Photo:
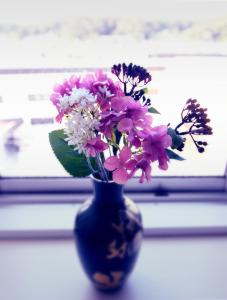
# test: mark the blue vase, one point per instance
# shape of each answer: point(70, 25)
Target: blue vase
point(108, 235)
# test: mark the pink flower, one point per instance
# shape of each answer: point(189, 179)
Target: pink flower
point(135, 121)
point(95, 146)
point(121, 103)
point(140, 162)
point(125, 125)
point(108, 121)
point(60, 90)
point(98, 84)
point(155, 146)
point(103, 87)
point(119, 165)
point(129, 117)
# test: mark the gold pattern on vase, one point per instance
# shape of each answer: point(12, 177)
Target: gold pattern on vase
point(131, 206)
point(117, 252)
point(128, 225)
point(134, 246)
point(132, 211)
point(111, 281)
point(132, 221)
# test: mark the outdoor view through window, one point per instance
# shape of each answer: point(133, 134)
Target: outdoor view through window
point(183, 44)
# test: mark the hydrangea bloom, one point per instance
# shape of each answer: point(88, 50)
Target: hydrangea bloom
point(128, 117)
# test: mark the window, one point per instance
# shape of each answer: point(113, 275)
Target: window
point(183, 46)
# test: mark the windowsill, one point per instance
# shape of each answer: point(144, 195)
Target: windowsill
point(55, 220)
point(167, 268)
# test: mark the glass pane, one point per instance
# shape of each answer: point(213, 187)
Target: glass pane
point(183, 44)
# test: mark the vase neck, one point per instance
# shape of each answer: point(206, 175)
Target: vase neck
point(107, 191)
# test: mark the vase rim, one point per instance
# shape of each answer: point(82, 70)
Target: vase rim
point(102, 181)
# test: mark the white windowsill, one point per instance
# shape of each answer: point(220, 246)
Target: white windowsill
point(55, 220)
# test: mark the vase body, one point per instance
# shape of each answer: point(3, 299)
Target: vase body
point(108, 234)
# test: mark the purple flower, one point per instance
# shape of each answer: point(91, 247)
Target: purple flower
point(119, 165)
point(135, 120)
point(145, 166)
point(128, 117)
point(133, 75)
point(125, 125)
point(155, 145)
point(95, 146)
point(120, 104)
point(108, 121)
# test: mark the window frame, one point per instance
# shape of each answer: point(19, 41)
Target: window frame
point(170, 206)
point(69, 189)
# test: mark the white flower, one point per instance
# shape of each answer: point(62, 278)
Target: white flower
point(105, 91)
point(80, 128)
point(81, 96)
point(64, 101)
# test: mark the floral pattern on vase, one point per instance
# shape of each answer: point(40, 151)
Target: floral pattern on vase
point(108, 234)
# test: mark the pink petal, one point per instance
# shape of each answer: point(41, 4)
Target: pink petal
point(167, 141)
point(101, 146)
point(148, 173)
point(125, 154)
point(158, 132)
point(136, 142)
point(111, 163)
point(142, 177)
point(97, 144)
point(54, 98)
point(125, 125)
point(59, 117)
point(163, 165)
point(100, 75)
point(131, 164)
point(58, 88)
point(74, 81)
point(120, 103)
point(91, 152)
point(120, 176)
point(162, 129)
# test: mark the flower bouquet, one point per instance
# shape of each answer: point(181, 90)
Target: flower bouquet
point(109, 128)
point(109, 133)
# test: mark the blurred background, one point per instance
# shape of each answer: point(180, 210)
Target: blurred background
point(182, 43)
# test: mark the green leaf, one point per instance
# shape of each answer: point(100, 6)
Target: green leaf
point(177, 140)
point(153, 110)
point(172, 155)
point(145, 90)
point(73, 162)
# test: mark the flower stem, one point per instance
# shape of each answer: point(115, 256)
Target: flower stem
point(90, 165)
point(103, 173)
